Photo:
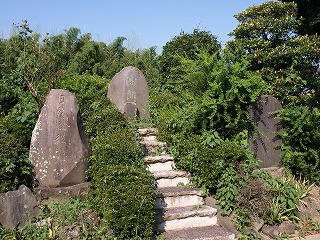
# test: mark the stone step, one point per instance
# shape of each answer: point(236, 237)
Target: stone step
point(171, 178)
point(143, 132)
point(168, 214)
point(161, 167)
point(173, 197)
point(159, 163)
point(191, 222)
point(200, 233)
point(150, 145)
point(158, 159)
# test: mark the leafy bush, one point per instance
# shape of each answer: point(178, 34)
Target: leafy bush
point(221, 107)
point(207, 165)
point(225, 104)
point(15, 135)
point(188, 46)
point(123, 195)
point(88, 90)
point(301, 147)
point(237, 167)
point(121, 184)
point(15, 167)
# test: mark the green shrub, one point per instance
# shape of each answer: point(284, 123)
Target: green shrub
point(198, 159)
point(88, 89)
point(15, 136)
point(207, 164)
point(121, 184)
point(237, 166)
point(15, 167)
point(123, 195)
point(301, 146)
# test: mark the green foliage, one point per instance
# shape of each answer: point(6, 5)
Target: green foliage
point(310, 13)
point(284, 202)
point(123, 195)
point(15, 167)
point(220, 109)
point(267, 38)
point(228, 190)
point(36, 66)
point(287, 197)
point(211, 167)
point(186, 46)
point(236, 168)
point(16, 124)
point(88, 59)
point(121, 184)
point(300, 150)
point(8, 98)
point(225, 104)
point(90, 91)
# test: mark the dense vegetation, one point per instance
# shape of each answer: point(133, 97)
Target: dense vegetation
point(200, 93)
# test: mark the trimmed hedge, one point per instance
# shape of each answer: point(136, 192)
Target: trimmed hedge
point(122, 194)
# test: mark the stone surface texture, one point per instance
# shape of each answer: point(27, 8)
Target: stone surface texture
point(59, 146)
point(16, 207)
point(62, 193)
point(264, 138)
point(128, 91)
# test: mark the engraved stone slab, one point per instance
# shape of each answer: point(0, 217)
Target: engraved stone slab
point(59, 145)
point(16, 207)
point(128, 90)
point(264, 139)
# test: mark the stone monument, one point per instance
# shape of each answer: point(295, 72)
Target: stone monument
point(264, 139)
point(59, 146)
point(128, 91)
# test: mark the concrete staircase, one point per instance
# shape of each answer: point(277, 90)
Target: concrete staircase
point(180, 212)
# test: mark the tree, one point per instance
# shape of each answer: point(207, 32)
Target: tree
point(267, 37)
point(309, 10)
point(88, 58)
point(186, 46)
point(38, 67)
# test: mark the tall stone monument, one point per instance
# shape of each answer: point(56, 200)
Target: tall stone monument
point(264, 138)
point(128, 90)
point(59, 146)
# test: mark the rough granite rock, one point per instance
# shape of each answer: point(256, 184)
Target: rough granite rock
point(59, 146)
point(16, 207)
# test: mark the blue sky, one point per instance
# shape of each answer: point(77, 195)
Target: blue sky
point(144, 23)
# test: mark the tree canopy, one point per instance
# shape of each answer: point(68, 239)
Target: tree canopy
point(267, 37)
point(309, 10)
